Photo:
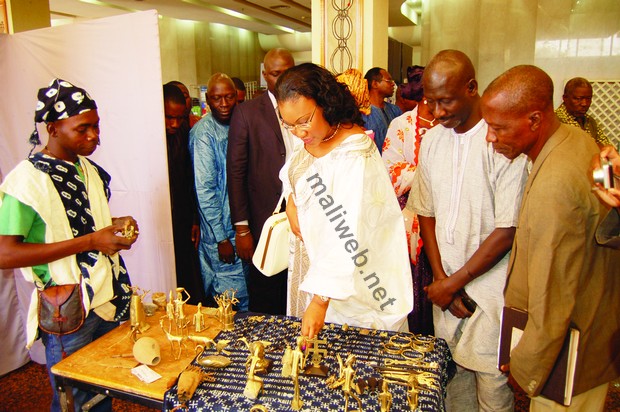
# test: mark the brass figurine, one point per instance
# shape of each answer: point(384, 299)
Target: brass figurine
point(225, 303)
point(137, 317)
point(212, 361)
point(179, 307)
point(315, 368)
point(346, 380)
point(254, 385)
point(172, 338)
point(293, 363)
point(385, 398)
point(199, 319)
point(412, 395)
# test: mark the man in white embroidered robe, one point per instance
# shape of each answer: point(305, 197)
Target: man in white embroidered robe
point(467, 199)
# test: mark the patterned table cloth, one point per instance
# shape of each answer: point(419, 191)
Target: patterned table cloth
point(226, 393)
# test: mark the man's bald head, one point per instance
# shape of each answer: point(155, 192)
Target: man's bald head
point(276, 62)
point(524, 88)
point(453, 63)
point(518, 109)
point(278, 53)
point(451, 90)
point(221, 97)
point(220, 78)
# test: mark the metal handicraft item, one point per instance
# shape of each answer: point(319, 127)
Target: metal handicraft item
point(129, 231)
point(315, 368)
point(225, 302)
point(385, 398)
point(189, 380)
point(255, 364)
point(346, 380)
point(137, 316)
point(293, 363)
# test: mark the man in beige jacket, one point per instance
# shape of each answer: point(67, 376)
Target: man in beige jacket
point(557, 272)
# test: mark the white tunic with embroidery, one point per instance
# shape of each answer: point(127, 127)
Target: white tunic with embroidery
point(470, 190)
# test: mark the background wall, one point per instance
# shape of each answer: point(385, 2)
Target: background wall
point(192, 52)
point(566, 38)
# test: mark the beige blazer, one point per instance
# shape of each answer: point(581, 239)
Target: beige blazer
point(559, 274)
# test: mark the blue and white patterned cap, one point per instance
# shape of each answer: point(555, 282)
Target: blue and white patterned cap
point(60, 100)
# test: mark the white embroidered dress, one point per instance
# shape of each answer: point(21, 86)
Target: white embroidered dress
point(354, 247)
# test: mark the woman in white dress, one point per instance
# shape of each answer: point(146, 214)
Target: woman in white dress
point(350, 261)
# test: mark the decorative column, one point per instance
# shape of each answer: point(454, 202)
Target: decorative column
point(349, 34)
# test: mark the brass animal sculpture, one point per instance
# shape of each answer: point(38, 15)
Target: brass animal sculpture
point(179, 339)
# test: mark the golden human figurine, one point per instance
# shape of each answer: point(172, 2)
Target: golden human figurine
point(179, 307)
point(385, 398)
point(255, 383)
point(412, 395)
point(170, 308)
point(199, 319)
point(297, 366)
point(346, 379)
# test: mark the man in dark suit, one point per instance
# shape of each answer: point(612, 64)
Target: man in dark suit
point(257, 151)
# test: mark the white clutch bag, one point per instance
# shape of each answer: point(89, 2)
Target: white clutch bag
point(272, 252)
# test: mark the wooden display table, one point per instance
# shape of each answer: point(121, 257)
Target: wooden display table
point(98, 367)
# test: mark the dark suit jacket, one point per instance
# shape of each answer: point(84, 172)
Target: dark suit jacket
point(256, 153)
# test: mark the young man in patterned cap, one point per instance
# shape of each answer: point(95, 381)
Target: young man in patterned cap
point(55, 224)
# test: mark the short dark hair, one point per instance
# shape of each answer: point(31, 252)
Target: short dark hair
point(239, 85)
point(373, 74)
point(314, 82)
point(414, 89)
point(174, 94)
point(575, 82)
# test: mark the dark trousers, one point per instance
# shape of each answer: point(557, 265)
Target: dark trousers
point(267, 294)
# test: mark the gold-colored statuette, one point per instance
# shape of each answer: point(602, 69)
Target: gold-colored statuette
point(129, 232)
point(293, 363)
point(316, 346)
point(225, 313)
point(346, 380)
point(385, 397)
point(256, 364)
point(137, 316)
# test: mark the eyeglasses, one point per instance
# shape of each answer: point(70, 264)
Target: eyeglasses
point(388, 81)
point(295, 127)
